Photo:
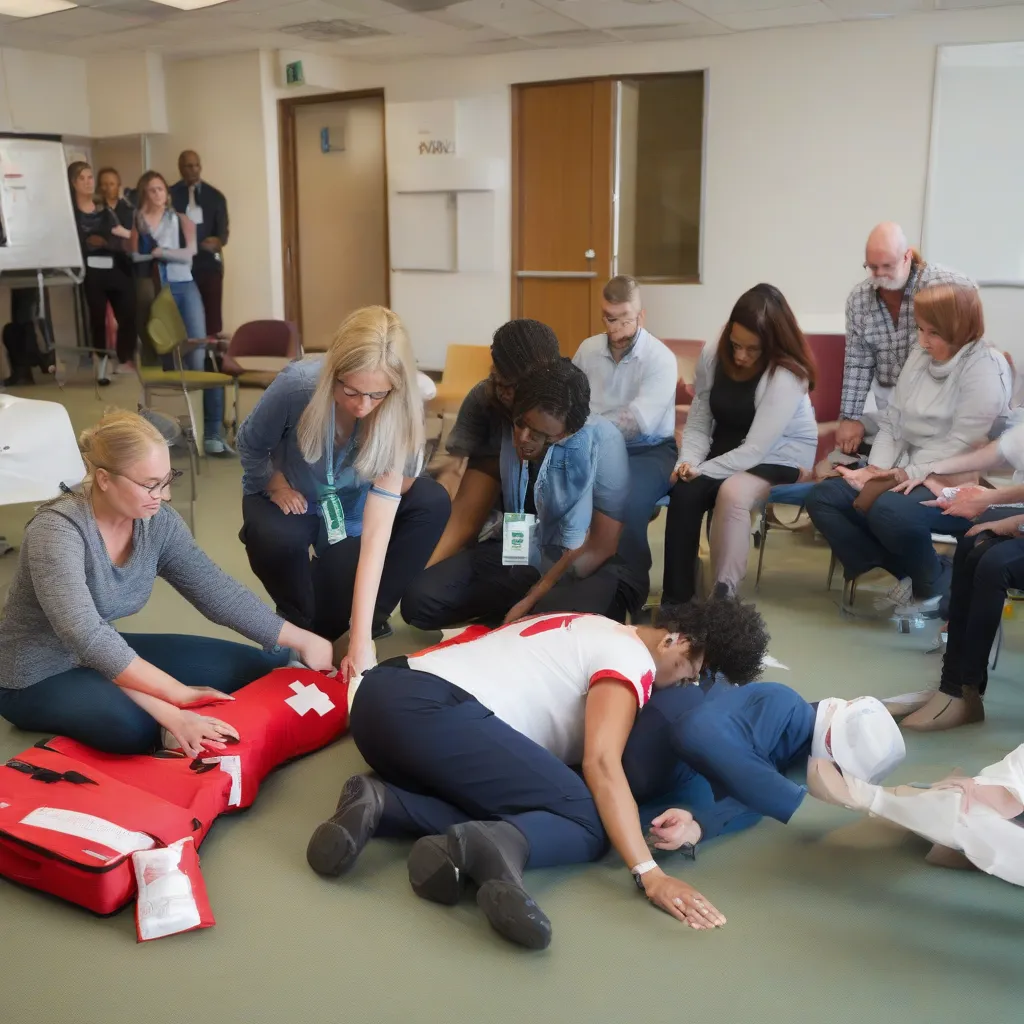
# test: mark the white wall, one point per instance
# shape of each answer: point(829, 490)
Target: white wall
point(126, 95)
point(218, 106)
point(814, 135)
point(43, 93)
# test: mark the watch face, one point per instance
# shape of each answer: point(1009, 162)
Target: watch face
point(639, 879)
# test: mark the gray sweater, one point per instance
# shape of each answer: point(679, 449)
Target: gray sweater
point(66, 592)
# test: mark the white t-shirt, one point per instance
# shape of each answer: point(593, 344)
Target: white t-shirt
point(644, 381)
point(535, 674)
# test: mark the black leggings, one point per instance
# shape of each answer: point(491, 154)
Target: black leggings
point(317, 594)
point(984, 568)
point(118, 288)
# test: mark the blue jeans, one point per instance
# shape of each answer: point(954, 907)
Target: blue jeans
point(190, 306)
point(88, 707)
point(649, 470)
point(895, 534)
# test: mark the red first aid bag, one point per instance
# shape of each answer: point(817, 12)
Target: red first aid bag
point(279, 717)
point(70, 829)
point(172, 894)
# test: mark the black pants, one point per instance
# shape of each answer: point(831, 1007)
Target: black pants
point(984, 568)
point(445, 759)
point(210, 282)
point(317, 594)
point(689, 501)
point(118, 288)
point(473, 586)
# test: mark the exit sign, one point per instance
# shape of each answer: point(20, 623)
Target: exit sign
point(293, 73)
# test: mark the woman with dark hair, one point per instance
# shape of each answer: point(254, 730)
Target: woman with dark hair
point(953, 391)
point(564, 484)
point(750, 427)
point(517, 349)
point(108, 272)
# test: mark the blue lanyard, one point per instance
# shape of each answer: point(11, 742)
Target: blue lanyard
point(331, 428)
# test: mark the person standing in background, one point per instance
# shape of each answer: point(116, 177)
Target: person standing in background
point(207, 208)
point(108, 181)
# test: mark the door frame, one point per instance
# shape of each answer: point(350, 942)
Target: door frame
point(290, 262)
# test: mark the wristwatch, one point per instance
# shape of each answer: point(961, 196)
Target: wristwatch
point(641, 869)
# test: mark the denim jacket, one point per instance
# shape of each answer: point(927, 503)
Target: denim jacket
point(587, 472)
point(268, 441)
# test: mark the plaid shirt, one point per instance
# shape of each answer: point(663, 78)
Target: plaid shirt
point(876, 349)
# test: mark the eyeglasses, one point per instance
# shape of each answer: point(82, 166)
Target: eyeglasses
point(884, 268)
point(374, 396)
point(613, 321)
point(535, 435)
point(152, 489)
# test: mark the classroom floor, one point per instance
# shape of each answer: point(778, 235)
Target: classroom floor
point(831, 918)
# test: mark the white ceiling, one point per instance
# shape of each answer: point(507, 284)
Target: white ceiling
point(377, 30)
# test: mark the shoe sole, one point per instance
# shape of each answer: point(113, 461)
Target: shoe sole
point(336, 844)
point(514, 914)
point(433, 874)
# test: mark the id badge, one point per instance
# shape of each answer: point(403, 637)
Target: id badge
point(516, 537)
point(334, 517)
point(195, 214)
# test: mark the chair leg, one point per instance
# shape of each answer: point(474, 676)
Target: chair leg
point(997, 647)
point(831, 570)
point(763, 533)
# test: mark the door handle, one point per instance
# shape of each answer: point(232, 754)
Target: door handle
point(556, 273)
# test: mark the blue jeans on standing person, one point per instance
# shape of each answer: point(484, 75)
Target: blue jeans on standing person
point(86, 706)
point(895, 534)
point(190, 306)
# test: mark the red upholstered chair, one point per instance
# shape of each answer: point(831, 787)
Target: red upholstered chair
point(259, 350)
point(687, 352)
point(829, 351)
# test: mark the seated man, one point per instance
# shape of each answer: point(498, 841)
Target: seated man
point(472, 742)
point(725, 751)
point(517, 349)
point(633, 384)
point(571, 476)
point(881, 329)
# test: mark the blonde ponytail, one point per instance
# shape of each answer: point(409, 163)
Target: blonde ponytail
point(117, 441)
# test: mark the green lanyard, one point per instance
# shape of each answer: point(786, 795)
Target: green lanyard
point(330, 504)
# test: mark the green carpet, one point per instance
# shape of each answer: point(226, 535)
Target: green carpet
point(831, 919)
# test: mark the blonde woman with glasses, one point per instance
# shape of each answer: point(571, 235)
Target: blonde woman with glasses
point(331, 457)
point(91, 557)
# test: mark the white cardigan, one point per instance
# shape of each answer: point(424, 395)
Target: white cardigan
point(784, 431)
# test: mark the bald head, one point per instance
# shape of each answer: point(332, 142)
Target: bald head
point(887, 256)
point(189, 167)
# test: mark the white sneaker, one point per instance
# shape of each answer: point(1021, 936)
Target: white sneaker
point(900, 593)
point(926, 609)
point(215, 446)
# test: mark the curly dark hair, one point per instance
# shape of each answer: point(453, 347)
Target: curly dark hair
point(520, 346)
point(731, 635)
point(560, 389)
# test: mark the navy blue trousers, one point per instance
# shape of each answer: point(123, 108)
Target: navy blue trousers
point(720, 753)
point(88, 707)
point(650, 467)
point(446, 759)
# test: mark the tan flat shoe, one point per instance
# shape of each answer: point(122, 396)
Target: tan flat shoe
point(943, 857)
point(944, 712)
point(907, 703)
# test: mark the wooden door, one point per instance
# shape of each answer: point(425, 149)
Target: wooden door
point(563, 155)
point(335, 213)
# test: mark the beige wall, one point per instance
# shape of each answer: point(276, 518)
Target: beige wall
point(216, 107)
point(44, 93)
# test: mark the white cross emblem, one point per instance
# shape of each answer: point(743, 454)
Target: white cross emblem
point(309, 698)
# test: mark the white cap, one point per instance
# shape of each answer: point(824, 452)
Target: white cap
point(860, 736)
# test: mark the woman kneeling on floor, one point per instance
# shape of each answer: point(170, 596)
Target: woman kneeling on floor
point(89, 558)
point(473, 742)
point(331, 456)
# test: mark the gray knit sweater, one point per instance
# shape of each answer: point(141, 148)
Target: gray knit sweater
point(66, 592)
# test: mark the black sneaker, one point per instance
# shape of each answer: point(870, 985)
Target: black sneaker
point(382, 630)
point(337, 842)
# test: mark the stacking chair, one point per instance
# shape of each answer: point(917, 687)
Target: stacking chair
point(168, 336)
point(259, 350)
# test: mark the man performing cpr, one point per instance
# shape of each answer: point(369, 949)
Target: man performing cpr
point(472, 742)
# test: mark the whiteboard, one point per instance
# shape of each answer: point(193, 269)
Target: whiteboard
point(39, 230)
point(423, 231)
point(974, 210)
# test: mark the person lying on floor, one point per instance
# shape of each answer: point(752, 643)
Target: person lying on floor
point(472, 743)
point(723, 752)
point(518, 348)
point(90, 558)
point(565, 489)
point(972, 822)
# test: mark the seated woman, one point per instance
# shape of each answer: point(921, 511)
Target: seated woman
point(473, 742)
point(330, 457)
point(750, 427)
point(89, 558)
point(989, 560)
point(517, 349)
point(951, 393)
point(571, 475)
point(972, 822)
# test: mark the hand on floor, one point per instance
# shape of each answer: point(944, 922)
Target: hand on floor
point(680, 900)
